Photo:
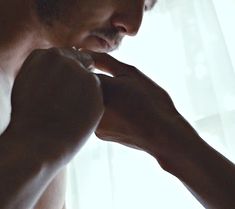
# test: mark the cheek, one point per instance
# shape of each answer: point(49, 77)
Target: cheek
point(85, 16)
point(92, 12)
point(81, 28)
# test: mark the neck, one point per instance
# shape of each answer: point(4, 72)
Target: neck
point(20, 35)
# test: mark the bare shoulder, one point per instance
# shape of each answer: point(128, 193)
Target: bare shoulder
point(54, 195)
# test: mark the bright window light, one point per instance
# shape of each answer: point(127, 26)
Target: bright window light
point(188, 48)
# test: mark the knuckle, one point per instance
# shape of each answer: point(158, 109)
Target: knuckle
point(130, 68)
point(34, 54)
point(44, 54)
point(93, 84)
point(53, 53)
point(94, 79)
point(55, 57)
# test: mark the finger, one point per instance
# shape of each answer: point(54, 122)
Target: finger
point(107, 63)
point(84, 59)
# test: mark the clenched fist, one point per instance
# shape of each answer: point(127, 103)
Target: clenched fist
point(56, 103)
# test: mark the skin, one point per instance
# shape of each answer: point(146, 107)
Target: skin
point(47, 127)
point(43, 133)
point(164, 134)
point(109, 19)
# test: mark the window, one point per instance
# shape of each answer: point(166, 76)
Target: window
point(188, 48)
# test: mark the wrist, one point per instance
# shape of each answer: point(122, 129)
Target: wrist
point(18, 147)
point(23, 171)
point(178, 163)
point(179, 148)
point(23, 147)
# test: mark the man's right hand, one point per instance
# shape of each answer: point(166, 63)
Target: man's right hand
point(56, 104)
point(140, 114)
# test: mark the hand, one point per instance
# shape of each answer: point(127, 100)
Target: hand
point(56, 103)
point(139, 113)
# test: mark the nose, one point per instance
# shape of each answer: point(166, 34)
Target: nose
point(128, 22)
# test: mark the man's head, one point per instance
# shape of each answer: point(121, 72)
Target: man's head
point(97, 25)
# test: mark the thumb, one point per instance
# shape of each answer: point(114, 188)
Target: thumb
point(108, 64)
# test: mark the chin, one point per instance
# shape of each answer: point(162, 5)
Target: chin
point(93, 45)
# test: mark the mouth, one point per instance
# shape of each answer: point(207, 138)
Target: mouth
point(106, 44)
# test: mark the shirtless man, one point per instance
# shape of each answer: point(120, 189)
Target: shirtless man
point(56, 102)
point(47, 125)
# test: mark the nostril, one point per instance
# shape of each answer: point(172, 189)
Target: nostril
point(121, 29)
point(120, 24)
point(128, 23)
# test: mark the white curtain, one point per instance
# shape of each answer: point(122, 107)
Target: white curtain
point(187, 47)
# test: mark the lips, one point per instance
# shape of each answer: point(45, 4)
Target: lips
point(103, 42)
point(106, 43)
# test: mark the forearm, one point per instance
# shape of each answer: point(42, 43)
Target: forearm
point(206, 173)
point(23, 175)
point(154, 125)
